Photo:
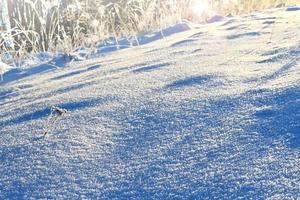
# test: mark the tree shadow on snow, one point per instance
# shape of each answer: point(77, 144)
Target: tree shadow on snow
point(166, 150)
point(157, 138)
point(150, 67)
point(190, 81)
point(71, 106)
point(280, 114)
point(17, 74)
point(76, 72)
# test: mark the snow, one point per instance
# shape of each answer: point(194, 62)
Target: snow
point(3, 69)
point(111, 45)
point(208, 113)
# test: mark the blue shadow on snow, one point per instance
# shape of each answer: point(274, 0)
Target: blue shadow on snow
point(17, 74)
point(191, 81)
point(46, 111)
point(281, 115)
point(75, 72)
point(150, 67)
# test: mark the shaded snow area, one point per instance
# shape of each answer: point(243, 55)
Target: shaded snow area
point(208, 113)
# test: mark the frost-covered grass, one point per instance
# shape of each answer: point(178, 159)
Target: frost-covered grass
point(207, 113)
point(63, 26)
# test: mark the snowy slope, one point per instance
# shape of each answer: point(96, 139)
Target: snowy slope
point(209, 113)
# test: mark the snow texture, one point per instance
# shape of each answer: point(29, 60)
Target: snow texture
point(209, 113)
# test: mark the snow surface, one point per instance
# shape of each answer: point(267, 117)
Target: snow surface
point(3, 69)
point(209, 113)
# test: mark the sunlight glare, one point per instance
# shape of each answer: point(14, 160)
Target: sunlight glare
point(200, 6)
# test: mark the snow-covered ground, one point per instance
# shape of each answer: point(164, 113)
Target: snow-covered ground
point(208, 113)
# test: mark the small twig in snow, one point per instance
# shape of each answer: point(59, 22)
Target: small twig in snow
point(55, 114)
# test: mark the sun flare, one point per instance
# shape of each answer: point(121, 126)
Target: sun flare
point(200, 6)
